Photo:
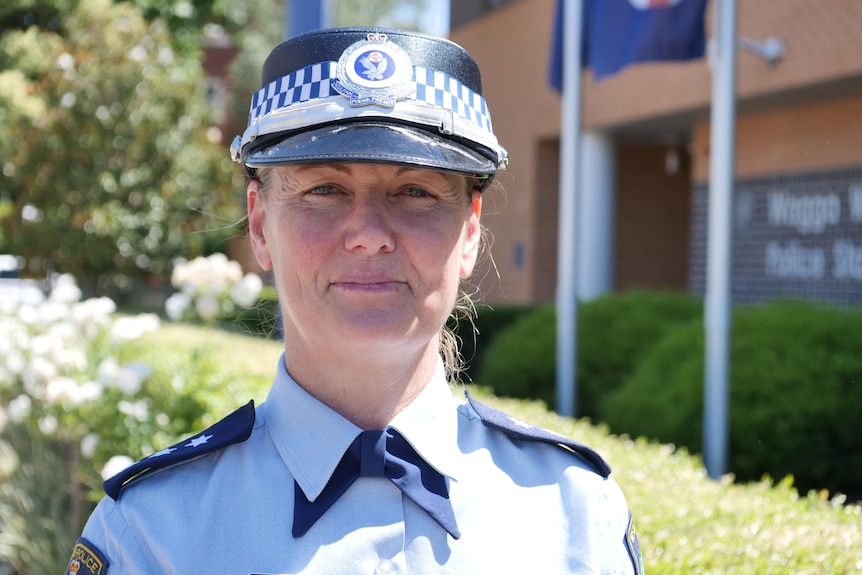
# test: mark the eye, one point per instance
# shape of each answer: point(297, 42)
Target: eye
point(415, 192)
point(325, 190)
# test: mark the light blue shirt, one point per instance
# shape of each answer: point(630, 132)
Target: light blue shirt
point(521, 506)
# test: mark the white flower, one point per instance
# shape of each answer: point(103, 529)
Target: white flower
point(9, 460)
point(65, 290)
point(210, 286)
point(60, 390)
point(207, 307)
point(86, 392)
point(178, 274)
point(115, 465)
point(232, 271)
point(140, 409)
point(37, 374)
point(245, 292)
point(132, 328)
point(93, 311)
point(89, 443)
point(177, 305)
point(131, 377)
point(48, 425)
point(19, 408)
point(53, 311)
point(108, 370)
point(28, 315)
point(15, 361)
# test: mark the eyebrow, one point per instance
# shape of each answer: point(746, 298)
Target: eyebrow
point(345, 169)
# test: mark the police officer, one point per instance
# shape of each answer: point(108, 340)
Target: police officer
point(368, 151)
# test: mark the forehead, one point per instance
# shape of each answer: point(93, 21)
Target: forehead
point(286, 173)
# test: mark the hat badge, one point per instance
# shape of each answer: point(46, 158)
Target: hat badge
point(374, 71)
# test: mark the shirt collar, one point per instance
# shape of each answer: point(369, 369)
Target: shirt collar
point(311, 438)
point(430, 424)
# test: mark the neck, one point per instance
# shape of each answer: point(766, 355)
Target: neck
point(368, 389)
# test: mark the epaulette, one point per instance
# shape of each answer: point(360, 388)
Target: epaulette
point(235, 428)
point(519, 429)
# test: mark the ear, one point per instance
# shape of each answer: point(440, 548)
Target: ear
point(470, 249)
point(256, 220)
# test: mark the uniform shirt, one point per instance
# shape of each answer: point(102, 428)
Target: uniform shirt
point(521, 506)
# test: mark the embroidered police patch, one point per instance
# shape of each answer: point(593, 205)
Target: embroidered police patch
point(87, 560)
point(634, 548)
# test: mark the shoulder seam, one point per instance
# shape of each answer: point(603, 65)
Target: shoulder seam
point(521, 430)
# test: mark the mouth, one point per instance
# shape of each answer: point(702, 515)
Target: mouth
point(369, 285)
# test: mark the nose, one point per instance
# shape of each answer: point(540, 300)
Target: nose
point(369, 226)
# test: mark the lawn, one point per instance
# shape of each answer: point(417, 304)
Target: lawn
point(687, 523)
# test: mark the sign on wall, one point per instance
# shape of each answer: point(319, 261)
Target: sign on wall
point(794, 236)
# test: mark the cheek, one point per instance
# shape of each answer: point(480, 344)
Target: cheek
point(299, 244)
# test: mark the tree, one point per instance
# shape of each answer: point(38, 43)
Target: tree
point(105, 155)
point(265, 29)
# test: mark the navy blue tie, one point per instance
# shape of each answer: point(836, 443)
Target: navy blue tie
point(380, 454)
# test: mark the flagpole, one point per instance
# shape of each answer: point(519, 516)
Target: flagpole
point(306, 15)
point(567, 228)
point(718, 286)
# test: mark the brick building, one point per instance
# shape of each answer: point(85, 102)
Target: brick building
point(797, 226)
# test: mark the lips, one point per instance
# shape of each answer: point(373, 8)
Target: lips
point(368, 283)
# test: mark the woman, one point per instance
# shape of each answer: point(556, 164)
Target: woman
point(368, 151)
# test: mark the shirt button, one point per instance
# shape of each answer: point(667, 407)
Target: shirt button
point(385, 567)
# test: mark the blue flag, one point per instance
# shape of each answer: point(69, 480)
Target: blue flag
point(617, 33)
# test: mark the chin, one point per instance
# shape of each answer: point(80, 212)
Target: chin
point(378, 330)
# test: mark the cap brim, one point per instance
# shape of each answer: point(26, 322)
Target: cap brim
point(373, 142)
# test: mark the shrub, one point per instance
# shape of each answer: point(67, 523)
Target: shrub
point(78, 400)
point(520, 360)
point(210, 287)
point(475, 336)
point(795, 394)
point(614, 333)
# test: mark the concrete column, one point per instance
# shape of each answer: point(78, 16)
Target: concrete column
point(595, 274)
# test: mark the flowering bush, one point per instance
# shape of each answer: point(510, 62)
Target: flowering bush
point(210, 287)
point(75, 400)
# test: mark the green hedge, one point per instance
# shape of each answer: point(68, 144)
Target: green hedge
point(614, 332)
point(519, 361)
point(796, 379)
point(795, 394)
point(475, 336)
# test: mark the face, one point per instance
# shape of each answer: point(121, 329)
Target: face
point(364, 256)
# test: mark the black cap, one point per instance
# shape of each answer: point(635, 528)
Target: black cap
point(371, 95)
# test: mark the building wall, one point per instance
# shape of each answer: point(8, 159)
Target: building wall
point(512, 48)
point(799, 117)
point(814, 135)
point(653, 207)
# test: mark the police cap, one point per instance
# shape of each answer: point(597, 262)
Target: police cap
point(371, 95)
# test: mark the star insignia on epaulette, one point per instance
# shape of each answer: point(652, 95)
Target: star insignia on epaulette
point(166, 451)
point(199, 440)
point(233, 429)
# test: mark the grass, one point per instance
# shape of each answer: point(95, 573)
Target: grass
point(687, 523)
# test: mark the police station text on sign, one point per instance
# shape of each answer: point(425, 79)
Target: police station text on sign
point(811, 215)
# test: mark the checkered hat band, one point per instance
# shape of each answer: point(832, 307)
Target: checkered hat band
point(313, 82)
